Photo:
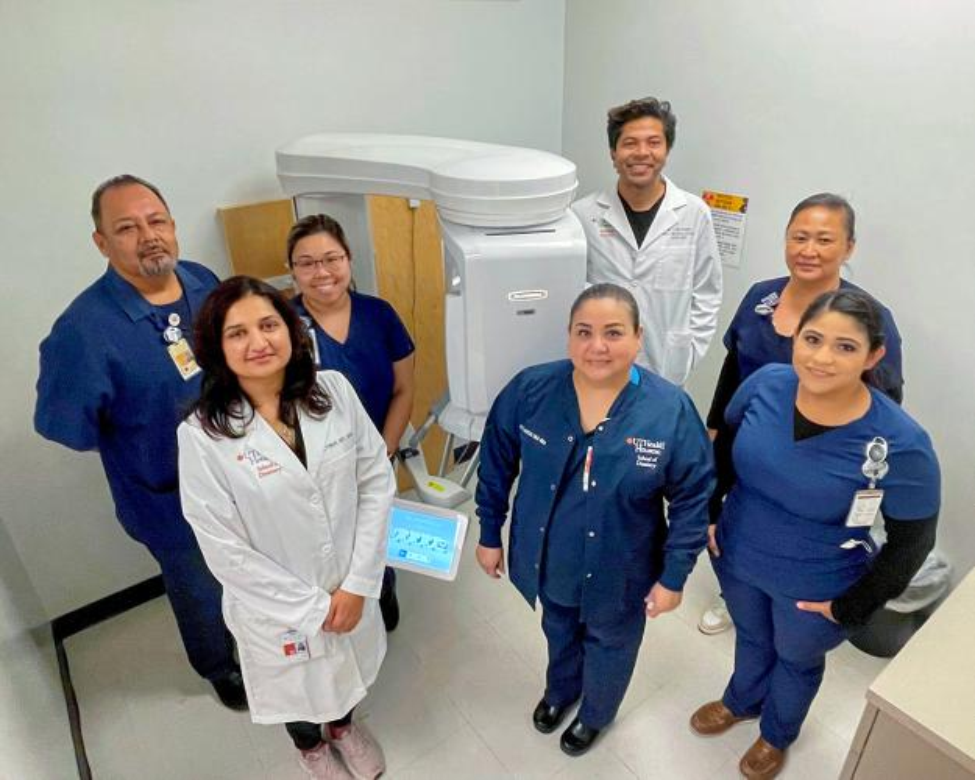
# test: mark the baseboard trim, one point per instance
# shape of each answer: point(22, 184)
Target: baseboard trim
point(108, 607)
point(78, 620)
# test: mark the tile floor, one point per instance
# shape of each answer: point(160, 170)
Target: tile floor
point(454, 698)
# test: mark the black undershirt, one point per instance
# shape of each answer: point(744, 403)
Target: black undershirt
point(908, 544)
point(804, 428)
point(299, 448)
point(640, 221)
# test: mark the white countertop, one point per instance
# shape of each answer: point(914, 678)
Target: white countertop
point(930, 686)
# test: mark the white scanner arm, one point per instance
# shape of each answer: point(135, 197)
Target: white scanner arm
point(515, 254)
point(471, 183)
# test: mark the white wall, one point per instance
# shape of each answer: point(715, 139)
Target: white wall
point(196, 97)
point(34, 727)
point(778, 100)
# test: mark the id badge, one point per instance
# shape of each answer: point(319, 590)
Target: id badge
point(294, 646)
point(864, 509)
point(182, 356)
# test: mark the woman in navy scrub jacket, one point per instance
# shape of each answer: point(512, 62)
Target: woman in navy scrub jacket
point(358, 335)
point(599, 444)
point(818, 453)
point(819, 239)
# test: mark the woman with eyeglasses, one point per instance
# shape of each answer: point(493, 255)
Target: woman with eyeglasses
point(358, 335)
point(819, 454)
point(285, 482)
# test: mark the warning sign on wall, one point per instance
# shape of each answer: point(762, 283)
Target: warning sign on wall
point(728, 213)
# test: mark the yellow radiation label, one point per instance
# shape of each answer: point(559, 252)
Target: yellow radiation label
point(725, 201)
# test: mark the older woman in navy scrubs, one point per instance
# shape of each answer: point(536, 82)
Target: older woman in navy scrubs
point(819, 239)
point(357, 335)
point(597, 445)
point(819, 454)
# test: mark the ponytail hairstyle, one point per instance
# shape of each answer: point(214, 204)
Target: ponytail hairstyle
point(608, 290)
point(858, 306)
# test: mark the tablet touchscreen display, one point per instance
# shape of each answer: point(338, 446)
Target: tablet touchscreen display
point(424, 539)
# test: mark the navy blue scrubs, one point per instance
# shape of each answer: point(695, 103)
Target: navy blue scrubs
point(783, 537)
point(752, 342)
point(592, 555)
point(376, 340)
point(107, 383)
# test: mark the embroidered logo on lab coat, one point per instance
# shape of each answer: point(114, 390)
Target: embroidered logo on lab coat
point(647, 451)
point(260, 462)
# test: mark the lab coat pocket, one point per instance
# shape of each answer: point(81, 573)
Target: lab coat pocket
point(260, 638)
point(677, 358)
point(673, 270)
point(336, 479)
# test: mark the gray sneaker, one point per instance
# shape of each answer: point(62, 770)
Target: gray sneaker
point(322, 764)
point(361, 753)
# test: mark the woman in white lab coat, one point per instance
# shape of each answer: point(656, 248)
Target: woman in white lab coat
point(286, 485)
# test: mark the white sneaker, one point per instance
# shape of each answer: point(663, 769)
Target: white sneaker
point(360, 752)
point(322, 764)
point(715, 618)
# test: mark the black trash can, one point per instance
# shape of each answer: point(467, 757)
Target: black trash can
point(890, 627)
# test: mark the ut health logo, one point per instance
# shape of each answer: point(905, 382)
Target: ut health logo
point(647, 451)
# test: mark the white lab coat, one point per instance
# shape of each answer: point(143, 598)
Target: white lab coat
point(675, 275)
point(280, 538)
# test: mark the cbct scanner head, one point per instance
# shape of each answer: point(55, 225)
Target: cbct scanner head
point(514, 255)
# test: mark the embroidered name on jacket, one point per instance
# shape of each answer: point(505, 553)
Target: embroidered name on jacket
point(340, 440)
point(260, 462)
point(647, 451)
point(532, 435)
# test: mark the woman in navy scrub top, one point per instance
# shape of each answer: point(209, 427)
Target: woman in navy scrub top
point(818, 454)
point(358, 335)
point(819, 239)
point(597, 445)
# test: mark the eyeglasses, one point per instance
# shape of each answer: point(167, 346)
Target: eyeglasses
point(304, 265)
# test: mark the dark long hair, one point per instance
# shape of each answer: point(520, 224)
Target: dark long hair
point(219, 408)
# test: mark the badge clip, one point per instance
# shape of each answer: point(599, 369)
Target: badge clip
point(875, 467)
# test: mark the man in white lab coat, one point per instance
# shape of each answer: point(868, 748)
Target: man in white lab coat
point(657, 240)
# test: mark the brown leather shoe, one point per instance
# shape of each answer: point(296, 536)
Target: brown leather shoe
point(762, 761)
point(714, 718)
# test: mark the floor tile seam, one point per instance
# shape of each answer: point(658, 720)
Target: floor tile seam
point(424, 658)
point(436, 747)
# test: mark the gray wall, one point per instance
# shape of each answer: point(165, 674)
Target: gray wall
point(777, 100)
point(196, 97)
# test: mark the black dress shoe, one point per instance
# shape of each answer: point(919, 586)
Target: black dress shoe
point(388, 603)
point(548, 718)
point(578, 738)
point(230, 691)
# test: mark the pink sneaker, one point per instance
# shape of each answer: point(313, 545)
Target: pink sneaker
point(322, 764)
point(360, 752)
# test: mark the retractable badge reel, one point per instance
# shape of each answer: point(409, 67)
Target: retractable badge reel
point(875, 467)
point(866, 503)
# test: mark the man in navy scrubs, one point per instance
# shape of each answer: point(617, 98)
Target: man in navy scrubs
point(117, 373)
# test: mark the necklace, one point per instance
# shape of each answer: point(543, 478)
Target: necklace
point(286, 432)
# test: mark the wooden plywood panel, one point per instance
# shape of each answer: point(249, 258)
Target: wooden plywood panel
point(409, 274)
point(256, 236)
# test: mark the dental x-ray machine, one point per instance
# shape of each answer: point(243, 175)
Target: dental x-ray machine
point(514, 254)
